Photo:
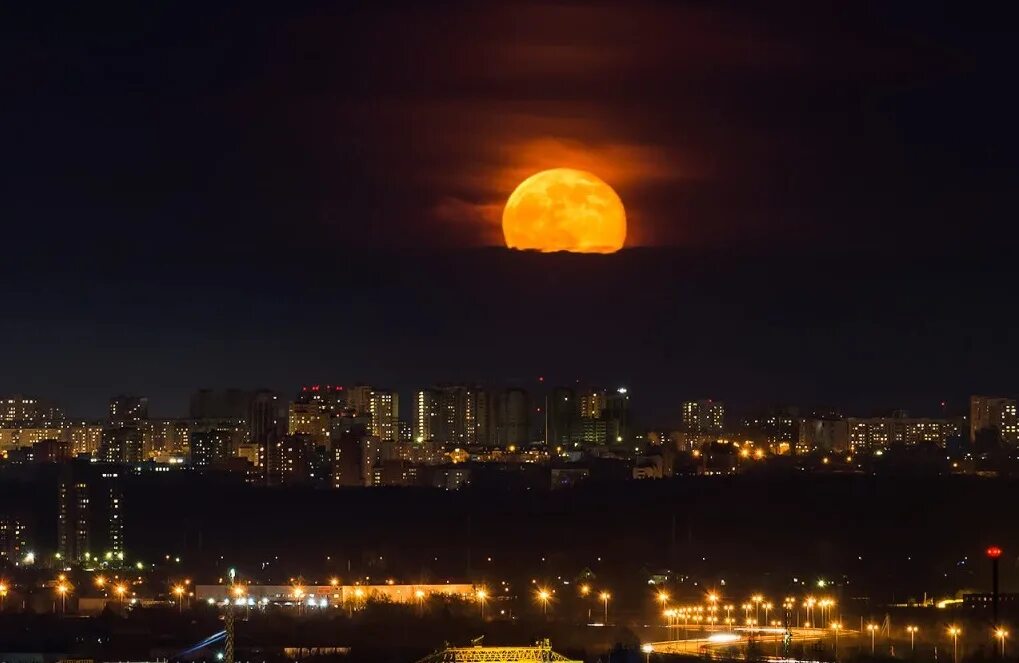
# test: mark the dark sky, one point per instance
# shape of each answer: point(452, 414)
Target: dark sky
point(821, 199)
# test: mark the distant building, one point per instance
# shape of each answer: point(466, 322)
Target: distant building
point(264, 416)
point(822, 435)
point(13, 539)
point(512, 418)
point(454, 414)
point(987, 413)
point(562, 414)
point(309, 420)
point(359, 398)
point(384, 408)
point(121, 445)
point(28, 411)
point(704, 417)
point(290, 460)
point(900, 429)
point(211, 447)
point(128, 410)
point(617, 416)
point(427, 413)
point(166, 437)
point(90, 506)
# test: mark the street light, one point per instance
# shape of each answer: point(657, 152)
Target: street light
point(912, 630)
point(647, 649)
point(873, 628)
point(62, 589)
point(836, 627)
point(767, 608)
point(544, 596)
point(585, 590)
point(3, 594)
point(605, 596)
point(1001, 634)
point(663, 598)
point(482, 595)
point(178, 591)
point(955, 632)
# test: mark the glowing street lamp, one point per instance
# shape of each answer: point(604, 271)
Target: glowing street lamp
point(663, 598)
point(482, 596)
point(100, 582)
point(178, 591)
point(544, 595)
point(3, 594)
point(767, 608)
point(62, 589)
point(912, 630)
point(121, 591)
point(1001, 634)
point(585, 590)
point(647, 649)
point(835, 628)
point(955, 632)
point(873, 628)
point(605, 596)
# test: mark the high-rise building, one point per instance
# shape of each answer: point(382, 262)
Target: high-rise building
point(384, 408)
point(264, 416)
point(166, 437)
point(822, 435)
point(85, 437)
point(988, 414)
point(291, 460)
point(28, 411)
point(617, 416)
point(128, 410)
point(90, 505)
point(512, 418)
point(122, 445)
point(13, 539)
point(427, 415)
point(591, 403)
point(211, 447)
point(704, 417)
point(562, 413)
point(353, 458)
point(332, 399)
point(464, 416)
point(359, 398)
point(309, 420)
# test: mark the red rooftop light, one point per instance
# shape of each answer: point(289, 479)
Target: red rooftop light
point(994, 552)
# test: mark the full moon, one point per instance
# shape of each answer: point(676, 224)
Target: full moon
point(563, 209)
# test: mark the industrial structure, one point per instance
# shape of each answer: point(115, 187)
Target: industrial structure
point(541, 651)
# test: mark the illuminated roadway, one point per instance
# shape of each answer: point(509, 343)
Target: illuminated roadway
point(740, 638)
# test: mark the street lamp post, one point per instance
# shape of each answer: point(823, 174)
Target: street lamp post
point(605, 596)
point(1001, 634)
point(62, 590)
point(544, 596)
point(647, 649)
point(912, 638)
point(482, 595)
point(3, 594)
point(835, 627)
point(179, 592)
point(873, 633)
point(954, 631)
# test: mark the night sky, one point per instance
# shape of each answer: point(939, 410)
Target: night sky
point(821, 200)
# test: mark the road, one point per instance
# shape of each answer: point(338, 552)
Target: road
point(740, 638)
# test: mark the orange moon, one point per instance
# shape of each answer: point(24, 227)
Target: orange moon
point(563, 209)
